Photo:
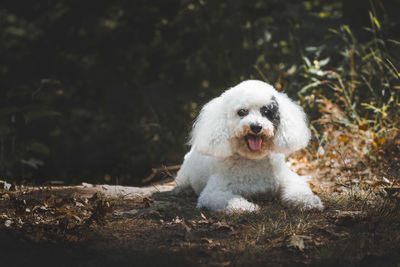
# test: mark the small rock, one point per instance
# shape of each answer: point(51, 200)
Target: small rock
point(8, 223)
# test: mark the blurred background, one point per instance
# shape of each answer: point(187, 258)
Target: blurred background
point(103, 91)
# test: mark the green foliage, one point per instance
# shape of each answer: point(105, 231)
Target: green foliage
point(355, 97)
point(90, 90)
point(364, 79)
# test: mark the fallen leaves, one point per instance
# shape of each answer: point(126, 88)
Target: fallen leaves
point(349, 187)
point(48, 216)
point(297, 241)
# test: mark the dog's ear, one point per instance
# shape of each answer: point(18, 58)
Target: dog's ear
point(292, 132)
point(210, 134)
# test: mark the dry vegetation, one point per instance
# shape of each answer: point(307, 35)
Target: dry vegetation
point(355, 174)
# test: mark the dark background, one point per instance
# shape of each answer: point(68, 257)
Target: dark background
point(95, 89)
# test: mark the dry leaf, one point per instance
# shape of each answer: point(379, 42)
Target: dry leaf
point(206, 240)
point(297, 241)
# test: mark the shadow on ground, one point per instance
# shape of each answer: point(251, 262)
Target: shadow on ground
point(92, 226)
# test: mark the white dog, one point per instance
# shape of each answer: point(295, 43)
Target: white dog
point(239, 142)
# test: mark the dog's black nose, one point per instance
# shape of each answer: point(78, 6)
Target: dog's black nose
point(255, 128)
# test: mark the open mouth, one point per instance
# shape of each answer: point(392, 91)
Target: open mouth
point(253, 142)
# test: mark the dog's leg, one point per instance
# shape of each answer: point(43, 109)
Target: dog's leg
point(217, 196)
point(180, 189)
point(296, 192)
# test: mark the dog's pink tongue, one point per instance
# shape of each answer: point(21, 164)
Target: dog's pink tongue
point(254, 142)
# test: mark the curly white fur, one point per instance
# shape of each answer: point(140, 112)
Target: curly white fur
point(231, 159)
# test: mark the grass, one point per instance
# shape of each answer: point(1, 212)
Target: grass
point(359, 226)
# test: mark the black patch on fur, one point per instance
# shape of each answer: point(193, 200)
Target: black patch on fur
point(271, 112)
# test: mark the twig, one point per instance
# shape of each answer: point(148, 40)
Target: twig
point(156, 171)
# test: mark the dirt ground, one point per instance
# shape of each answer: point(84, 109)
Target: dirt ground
point(106, 225)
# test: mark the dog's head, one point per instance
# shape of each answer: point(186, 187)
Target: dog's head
point(252, 120)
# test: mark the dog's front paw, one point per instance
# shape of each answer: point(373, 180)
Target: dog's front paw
point(306, 201)
point(312, 202)
point(241, 205)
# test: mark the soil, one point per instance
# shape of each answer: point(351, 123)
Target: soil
point(106, 225)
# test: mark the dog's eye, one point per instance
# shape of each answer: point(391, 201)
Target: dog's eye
point(271, 111)
point(242, 112)
point(268, 111)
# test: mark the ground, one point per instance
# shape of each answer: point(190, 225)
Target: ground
point(107, 225)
